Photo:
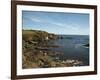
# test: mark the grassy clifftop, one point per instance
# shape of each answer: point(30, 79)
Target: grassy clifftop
point(37, 35)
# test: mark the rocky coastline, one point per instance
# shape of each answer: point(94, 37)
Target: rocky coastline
point(36, 53)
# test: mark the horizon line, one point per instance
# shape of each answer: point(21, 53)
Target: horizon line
point(58, 34)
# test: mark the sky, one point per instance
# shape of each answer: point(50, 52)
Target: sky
point(56, 22)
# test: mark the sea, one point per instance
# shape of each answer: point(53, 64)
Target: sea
point(72, 47)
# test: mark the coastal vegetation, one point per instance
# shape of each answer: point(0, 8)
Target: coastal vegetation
point(36, 51)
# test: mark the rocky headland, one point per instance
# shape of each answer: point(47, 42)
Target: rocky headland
point(36, 53)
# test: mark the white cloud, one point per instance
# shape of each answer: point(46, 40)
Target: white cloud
point(58, 24)
point(35, 20)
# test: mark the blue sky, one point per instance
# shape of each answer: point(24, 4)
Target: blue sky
point(56, 22)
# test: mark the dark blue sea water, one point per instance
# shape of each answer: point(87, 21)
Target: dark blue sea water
point(72, 47)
